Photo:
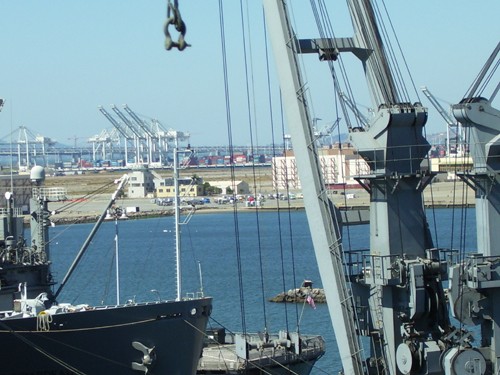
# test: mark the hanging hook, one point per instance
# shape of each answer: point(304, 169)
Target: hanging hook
point(179, 24)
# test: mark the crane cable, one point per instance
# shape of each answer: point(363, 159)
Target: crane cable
point(252, 124)
point(231, 154)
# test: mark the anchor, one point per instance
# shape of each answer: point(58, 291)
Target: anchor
point(148, 358)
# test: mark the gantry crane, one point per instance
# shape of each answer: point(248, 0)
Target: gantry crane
point(139, 137)
point(454, 132)
point(124, 132)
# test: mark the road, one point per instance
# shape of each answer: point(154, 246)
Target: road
point(78, 186)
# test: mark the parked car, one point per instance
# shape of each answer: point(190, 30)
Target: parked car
point(164, 201)
point(194, 201)
point(222, 200)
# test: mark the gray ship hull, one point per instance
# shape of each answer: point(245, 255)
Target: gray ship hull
point(99, 341)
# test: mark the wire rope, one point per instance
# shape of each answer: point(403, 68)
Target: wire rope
point(250, 94)
point(326, 32)
point(84, 199)
point(231, 166)
point(401, 52)
point(290, 229)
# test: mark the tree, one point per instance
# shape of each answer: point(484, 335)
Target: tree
point(211, 190)
point(196, 179)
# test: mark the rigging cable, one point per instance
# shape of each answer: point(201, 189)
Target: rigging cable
point(294, 278)
point(30, 343)
point(231, 155)
point(83, 200)
point(323, 23)
point(475, 89)
point(274, 167)
point(401, 52)
point(391, 55)
point(325, 30)
point(462, 249)
point(251, 128)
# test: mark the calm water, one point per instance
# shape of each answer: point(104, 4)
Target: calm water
point(276, 246)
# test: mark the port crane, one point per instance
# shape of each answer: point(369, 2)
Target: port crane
point(30, 146)
point(393, 293)
point(149, 139)
point(125, 133)
point(454, 132)
point(138, 136)
point(151, 136)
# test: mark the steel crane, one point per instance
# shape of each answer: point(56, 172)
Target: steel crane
point(124, 132)
point(452, 126)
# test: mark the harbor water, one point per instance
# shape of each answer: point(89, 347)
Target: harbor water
point(271, 253)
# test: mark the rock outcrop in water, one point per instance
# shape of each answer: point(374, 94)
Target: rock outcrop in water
point(299, 295)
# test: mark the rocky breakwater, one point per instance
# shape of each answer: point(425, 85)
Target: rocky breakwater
point(301, 295)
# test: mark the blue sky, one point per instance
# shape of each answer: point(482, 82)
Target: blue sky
point(60, 60)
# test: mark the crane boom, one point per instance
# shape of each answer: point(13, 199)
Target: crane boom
point(439, 107)
point(138, 121)
point(322, 215)
point(115, 123)
point(127, 122)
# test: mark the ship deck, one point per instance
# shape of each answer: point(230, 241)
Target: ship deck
point(224, 358)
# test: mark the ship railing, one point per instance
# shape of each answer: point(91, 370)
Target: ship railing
point(482, 271)
point(386, 269)
point(51, 194)
point(401, 160)
point(450, 256)
point(196, 295)
point(354, 263)
point(18, 211)
point(312, 343)
point(382, 269)
point(483, 160)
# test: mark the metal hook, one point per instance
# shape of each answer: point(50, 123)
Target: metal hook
point(180, 26)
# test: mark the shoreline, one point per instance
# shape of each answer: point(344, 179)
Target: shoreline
point(90, 212)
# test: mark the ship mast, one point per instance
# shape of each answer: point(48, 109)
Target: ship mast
point(177, 212)
point(179, 136)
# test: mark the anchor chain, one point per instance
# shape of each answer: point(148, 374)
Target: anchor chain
point(176, 20)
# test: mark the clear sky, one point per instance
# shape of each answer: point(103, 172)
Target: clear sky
point(61, 59)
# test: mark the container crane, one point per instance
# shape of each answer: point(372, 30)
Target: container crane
point(103, 141)
point(139, 121)
point(123, 131)
point(152, 138)
point(452, 126)
point(139, 136)
point(326, 131)
point(31, 141)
